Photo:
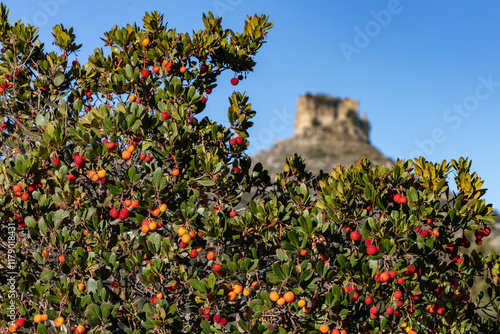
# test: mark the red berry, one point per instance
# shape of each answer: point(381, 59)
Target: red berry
point(124, 213)
point(222, 321)
point(78, 160)
point(239, 140)
point(355, 236)
point(56, 161)
point(368, 300)
point(208, 91)
point(234, 81)
point(165, 115)
point(372, 250)
point(389, 310)
point(373, 310)
point(144, 73)
point(232, 142)
point(232, 214)
point(398, 294)
point(20, 322)
point(216, 318)
point(193, 253)
point(114, 213)
point(204, 99)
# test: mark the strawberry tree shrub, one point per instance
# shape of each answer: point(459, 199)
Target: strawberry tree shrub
point(122, 212)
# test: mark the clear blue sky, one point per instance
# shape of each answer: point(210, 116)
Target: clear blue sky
point(426, 73)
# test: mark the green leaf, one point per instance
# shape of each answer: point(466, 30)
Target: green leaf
point(294, 239)
point(30, 222)
point(206, 327)
point(42, 329)
point(95, 311)
point(206, 182)
point(46, 275)
point(342, 260)
point(157, 178)
point(197, 285)
point(59, 80)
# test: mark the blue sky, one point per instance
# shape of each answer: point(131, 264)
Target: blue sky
point(426, 73)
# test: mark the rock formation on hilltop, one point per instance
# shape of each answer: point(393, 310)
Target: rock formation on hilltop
point(328, 132)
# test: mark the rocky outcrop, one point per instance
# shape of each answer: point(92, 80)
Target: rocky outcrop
point(328, 132)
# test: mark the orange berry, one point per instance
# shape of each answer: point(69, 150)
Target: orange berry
point(181, 231)
point(192, 234)
point(145, 228)
point(324, 328)
point(131, 148)
point(274, 296)
point(159, 296)
point(246, 292)
point(156, 212)
point(80, 286)
point(17, 188)
point(95, 177)
point(145, 42)
point(182, 69)
point(131, 98)
point(301, 303)
point(152, 226)
point(281, 301)
point(126, 155)
point(289, 296)
point(101, 173)
point(37, 318)
point(255, 285)
point(186, 238)
point(13, 328)
point(176, 172)
point(86, 232)
point(237, 289)
point(91, 173)
point(80, 329)
point(210, 256)
point(61, 258)
point(134, 204)
point(231, 296)
point(163, 207)
point(44, 317)
point(306, 310)
point(58, 322)
point(45, 253)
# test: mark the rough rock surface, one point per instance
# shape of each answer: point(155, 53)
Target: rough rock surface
point(328, 132)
